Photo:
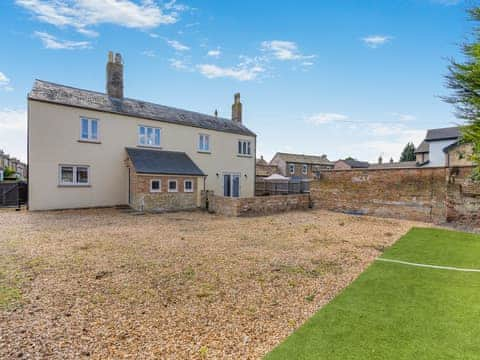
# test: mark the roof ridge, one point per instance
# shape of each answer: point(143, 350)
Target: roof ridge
point(133, 99)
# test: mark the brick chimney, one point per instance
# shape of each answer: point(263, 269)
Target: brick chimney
point(237, 109)
point(115, 75)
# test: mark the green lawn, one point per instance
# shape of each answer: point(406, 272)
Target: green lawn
point(396, 311)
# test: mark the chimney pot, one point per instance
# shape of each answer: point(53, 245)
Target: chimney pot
point(215, 113)
point(237, 109)
point(114, 75)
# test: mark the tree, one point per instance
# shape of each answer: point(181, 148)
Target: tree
point(8, 171)
point(464, 81)
point(408, 153)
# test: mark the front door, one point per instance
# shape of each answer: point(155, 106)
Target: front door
point(231, 185)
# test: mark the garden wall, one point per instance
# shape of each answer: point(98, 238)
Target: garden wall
point(415, 194)
point(259, 205)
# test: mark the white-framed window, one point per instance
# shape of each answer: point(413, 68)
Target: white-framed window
point(304, 169)
point(155, 185)
point(244, 147)
point(88, 129)
point(203, 143)
point(188, 186)
point(172, 186)
point(148, 136)
point(291, 168)
point(74, 175)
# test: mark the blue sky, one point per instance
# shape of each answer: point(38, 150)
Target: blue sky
point(342, 78)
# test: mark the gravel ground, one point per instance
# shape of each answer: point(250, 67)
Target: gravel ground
point(107, 284)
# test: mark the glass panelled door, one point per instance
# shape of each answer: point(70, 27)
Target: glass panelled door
point(231, 185)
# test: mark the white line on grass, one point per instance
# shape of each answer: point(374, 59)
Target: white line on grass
point(428, 266)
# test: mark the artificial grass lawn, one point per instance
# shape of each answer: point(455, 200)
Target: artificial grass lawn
point(395, 311)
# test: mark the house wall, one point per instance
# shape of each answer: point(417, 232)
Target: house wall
point(436, 154)
point(143, 199)
point(416, 194)
point(54, 131)
point(341, 165)
point(280, 164)
point(420, 158)
point(459, 156)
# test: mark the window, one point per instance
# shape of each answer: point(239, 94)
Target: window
point(188, 186)
point(148, 136)
point(291, 168)
point(155, 185)
point(244, 147)
point(89, 129)
point(172, 186)
point(305, 169)
point(204, 142)
point(74, 175)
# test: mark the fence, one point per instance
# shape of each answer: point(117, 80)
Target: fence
point(14, 194)
point(293, 186)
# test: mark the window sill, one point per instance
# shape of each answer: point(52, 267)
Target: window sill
point(244, 155)
point(173, 191)
point(74, 186)
point(89, 141)
point(203, 152)
point(150, 147)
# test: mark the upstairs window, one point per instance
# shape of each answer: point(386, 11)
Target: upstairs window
point(148, 136)
point(305, 169)
point(291, 168)
point(244, 147)
point(74, 175)
point(89, 129)
point(204, 142)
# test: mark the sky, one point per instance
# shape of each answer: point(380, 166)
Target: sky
point(342, 78)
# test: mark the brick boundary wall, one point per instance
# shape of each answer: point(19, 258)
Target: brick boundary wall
point(254, 206)
point(463, 199)
point(408, 193)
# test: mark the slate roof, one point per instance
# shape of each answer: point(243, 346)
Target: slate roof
point(424, 147)
point(70, 96)
point(356, 164)
point(147, 161)
point(443, 134)
point(304, 159)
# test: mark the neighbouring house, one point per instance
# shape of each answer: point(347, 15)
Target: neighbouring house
point(15, 164)
point(349, 164)
point(300, 165)
point(263, 169)
point(458, 154)
point(433, 151)
point(91, 149)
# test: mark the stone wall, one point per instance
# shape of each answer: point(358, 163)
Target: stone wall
point(141, 198)
point(463, 199)
point(259, 205)
point(416, 194)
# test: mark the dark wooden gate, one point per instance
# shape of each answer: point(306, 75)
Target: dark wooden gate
point(13, 194)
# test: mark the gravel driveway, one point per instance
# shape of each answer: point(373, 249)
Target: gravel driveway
point(108, 284)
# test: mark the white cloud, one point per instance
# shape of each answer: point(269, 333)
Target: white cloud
point(149, 53)
point(404, 117)
point(5, 82)
point(153, 35)
point(375, 41)
point(214, 53)
point(13, 132)
point(180, 64)
point(284, 50)
point(447, 2)
point(51, 42)
point(177, 45)
point(82, 14)
point(325, 118)
point(242, 72)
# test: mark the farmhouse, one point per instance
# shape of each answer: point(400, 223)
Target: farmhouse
point(91, 149)
point(300, 165)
